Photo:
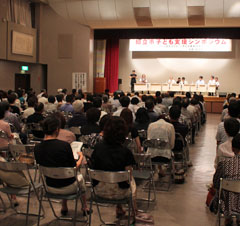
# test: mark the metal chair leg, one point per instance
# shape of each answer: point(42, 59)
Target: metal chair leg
point(28, 203)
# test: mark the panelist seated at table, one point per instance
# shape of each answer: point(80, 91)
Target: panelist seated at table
point(183, 81)
point(200, 81)
point(143, 79)
point(171, 80)
point(212, 81)
point(179, 80)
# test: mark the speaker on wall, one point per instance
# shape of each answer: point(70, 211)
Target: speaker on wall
point(119, 81)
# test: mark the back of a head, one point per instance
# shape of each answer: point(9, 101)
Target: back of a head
point(193, 101)
point(233, 109)
point(158, 94)
point(97, 102)
point(93, 115)
point(103, 121)
point(39, 107)
point(236, 143)
point(115, 131)
point(175, 112)
point(51, 99)
point(185, 102)
point(59, 98)
point(2, 109)
point(134, 101)
point(89, 97)
point(124, 101)
point(105, 99)
point(177, 101)
point(142, 116)
point(77, 106)
point(171, 94)
point(31, 102)
point(61, 118)
point(11, 98)
point(231, 126)
point(144, 98)
point(149, 104)
point(188, 95)
point(126, 114)
point(50, 125)
point(74, 91)
point(69, 98)
point(159, 99)
point(201, 98)
point(136, 93)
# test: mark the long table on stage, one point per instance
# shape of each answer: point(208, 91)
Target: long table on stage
point(164, 87)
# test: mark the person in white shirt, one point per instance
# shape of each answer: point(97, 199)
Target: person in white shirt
point(171, 80)
point(224, 150)
point(30, 109)
point(183, 81)
point(200, 81)
point(212, 81)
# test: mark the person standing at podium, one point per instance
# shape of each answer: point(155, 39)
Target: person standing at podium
point(133, 77)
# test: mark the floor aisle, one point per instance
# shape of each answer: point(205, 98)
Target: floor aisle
point(183, 205)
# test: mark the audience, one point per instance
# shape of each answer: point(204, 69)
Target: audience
point(67, 107)
point(50, 106)
point(11, 100)
point(153, 116)
point(30, 109)
point(142, 119)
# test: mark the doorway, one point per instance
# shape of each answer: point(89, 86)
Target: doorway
point(22, 81)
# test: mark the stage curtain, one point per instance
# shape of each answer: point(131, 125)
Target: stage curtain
point(111, 64)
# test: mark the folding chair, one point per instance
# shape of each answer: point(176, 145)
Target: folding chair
point(15, 167)
point(142, 135)
point(34, 128)
point(112, 178)
point(3, 203)
point(162, 146)
point(144, 171)
point(4, 150)
point(60, 173)
point(230, 186)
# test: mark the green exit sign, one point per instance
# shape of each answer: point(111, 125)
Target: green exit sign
point(24, 68)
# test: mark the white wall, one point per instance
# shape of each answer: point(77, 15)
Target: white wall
point(159, 66)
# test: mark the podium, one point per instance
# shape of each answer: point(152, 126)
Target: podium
point(99, 85)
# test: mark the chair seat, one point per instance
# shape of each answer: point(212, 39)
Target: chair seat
point(98, 199)
point(59, 196)
point(14, 191)
point(144, 175)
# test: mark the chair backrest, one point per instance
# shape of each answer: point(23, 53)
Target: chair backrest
point(179, 142)
point(155, 143)
point(230, 185)
point(109, 177)
point(58, 172)
point(13, 166)
point(76, 130)
point(143, 160)
point(19, 149)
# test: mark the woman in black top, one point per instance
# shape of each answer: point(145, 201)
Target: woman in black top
point(126, 114)
point(56, 153)
point(111, 155)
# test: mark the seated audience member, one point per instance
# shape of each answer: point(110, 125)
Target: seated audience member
point(50, 106)
point(78, 118)
point(43, 99)
point(68, 106)
point(4, 126)
point(124, 101)
point(11, 100)
point(111, 155)
point(233, 111)
point(168, 99)
point(161, 130)
point(174, 114)
point(134, 105)
point(126, 114)
point(57, 153)
point(159, 105)
point(229, 169)
point(225, 113)
point(157, 94)
point(188, 95)
point(37, 117)
point(142, 119)
point(60, 101)
point(186, 113)
point(89, 102)
point(231, 126)
point(20, 93)
point(115, 102)
point(30, 109)
point(202, 103)
point(12, 118)
point(97, 103)
point(64, 135)
point(74, 93)
point(93, 116)
point(106, 105)
point(149, 104)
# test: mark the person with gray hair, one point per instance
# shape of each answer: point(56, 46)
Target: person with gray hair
point(78, 118)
